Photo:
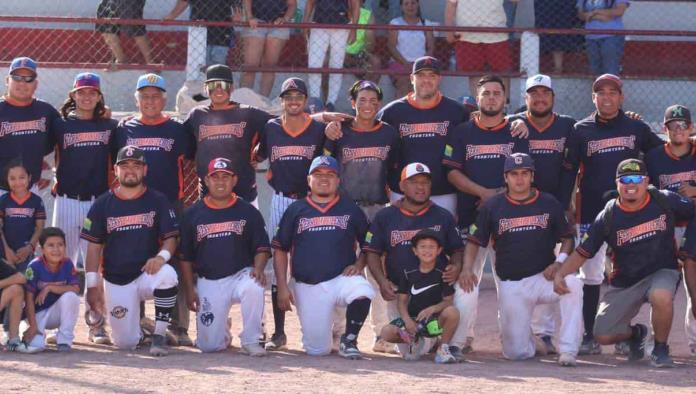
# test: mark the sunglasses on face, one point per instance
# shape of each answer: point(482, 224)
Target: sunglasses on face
point(631, 179)
point(677, 125)
point(23, 78)
point(224, 85)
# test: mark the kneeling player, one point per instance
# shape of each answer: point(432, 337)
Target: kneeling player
point(321, 232)
point(223, 238)
point(425, 304)
point(525, 225)
point(52, 290)
point(11, 303)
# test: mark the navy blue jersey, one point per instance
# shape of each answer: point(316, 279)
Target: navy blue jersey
point(425, 289)
point(547, 148)
point(82, 158)
point(232, 133)
point(28, 133)
point(596, 147)
point(524, 235)
point(39, 276)
point(688, 244)
point(290, 154)
point(642, 241)
point(367, 158)
point(321, 239)
point(130, 230)
point(19, 218)
point(166, 144)
point(479, 153)
point(393, 227)
point(331, 11)
point(667, 171)
point(423, 133)
point(222, 241)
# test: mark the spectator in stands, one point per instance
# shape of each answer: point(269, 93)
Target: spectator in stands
point(556, 14)
point(123, 9)
point(405, 46)
point(337, 12)
point(219, 39)
point(475, 51)
point(604, 51)
point(262, 45)
point(360, 53)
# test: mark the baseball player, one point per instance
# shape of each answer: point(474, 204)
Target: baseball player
point(319, 235)
point(12, 304)
point(367, 152)
point(525, 224)
point(125, 229)
point(290, 143)
point(224, 240)
point(688, 255)
point(598, 144)
point(474, 157)
point(391, 232)
point(51, 297)
point(639, 228)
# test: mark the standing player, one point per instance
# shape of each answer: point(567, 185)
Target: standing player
point(598, 144)
point(688, 255)
point(290, 143)
point(223, 238)
point(391, 232)
point(525, 224)
point(639, 228)
point(125, 228)
point(319, 235)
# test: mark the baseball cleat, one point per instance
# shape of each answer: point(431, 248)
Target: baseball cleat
point(443, 355)
point(348, 348)
point(277, 342)
point(158, 348)
point(637, 343)
point(622, 348)
point(660, 358)
point(457, 353)
point(253, 350)
point(183, 337)
point(98, 335)
point(15, 345)
point(548, 342)
point(64, 348)
point(382, 346)
point(589, 346)
point(567, 360)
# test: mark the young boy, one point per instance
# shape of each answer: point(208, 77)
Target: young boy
point(424, 303)
point(11, 302)
point(52, 289)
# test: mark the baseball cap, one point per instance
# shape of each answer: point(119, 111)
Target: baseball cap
point(324, 162)
point(151, 80)
point(518, 161)
point(631, 167)
point(426, 233)
point(220, 164)
point(87, 80)
point(130, 152)
point(538, 80)
point(290, 84)
point(426, 63)
point(314, 105)
point(26, 63)
point(414, 169)
point(607, 79)
point(677, 112)
point(218, 72)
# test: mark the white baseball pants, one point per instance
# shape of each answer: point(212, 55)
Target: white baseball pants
point(61, 315)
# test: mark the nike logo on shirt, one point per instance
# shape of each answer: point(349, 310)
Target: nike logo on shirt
point(415, 291)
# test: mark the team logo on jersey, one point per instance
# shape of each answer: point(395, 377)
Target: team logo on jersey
point(547, 146)
point(130, 222)
point(90, 138)
point(368, 237)
point(641, 231)
point(322, 223)
point(119, 312)
point(398, 237)
point(611, 145)
point(524, 223)
point(375, 152)
point(29, 273)
point(215, 230)
point(87, 224)
point(449, 150)
point(20, 212)
point(294, 151)
point(222, 131)
point(676, 179)
point(24, 127)
point(493, 151)
point(423, 129)
point(152, 143)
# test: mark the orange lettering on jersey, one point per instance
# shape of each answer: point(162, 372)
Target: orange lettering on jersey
point(204, 230)
point(221, 131)
point(163, 143)
point(397, 237)
point(482, 150)
point(278, 152)
point(673, 179)
point(323, 221)
point(523, 223)
point(377, 152)
point(90, 137)
point(638, 232)
point(537, 146)
point(610, 143)
point(440, 128)
point(19, 212)
point(7, 127)
point(142, 219)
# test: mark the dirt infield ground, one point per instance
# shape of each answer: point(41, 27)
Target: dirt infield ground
point(91, 368)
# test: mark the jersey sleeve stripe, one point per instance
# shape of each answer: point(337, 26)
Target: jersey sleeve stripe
point(91, 238)
point(451, 164)
point(170, 234)
point(583, 252)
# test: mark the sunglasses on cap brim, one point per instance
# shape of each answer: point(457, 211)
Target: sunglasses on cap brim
point(631, 179)
point(224, 85)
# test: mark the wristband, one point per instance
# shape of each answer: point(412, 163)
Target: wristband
point(562, 257)
point(165, 255)
point(91, 279)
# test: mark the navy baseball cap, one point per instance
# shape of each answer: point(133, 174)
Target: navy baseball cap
point(293, 84)
point(677, 112)
point(426, 233)
point(426, 63)
point(130, 152)
point(218, 72)
point(87, 80)
point(151, 80)
point(518, 161)
point(327, 162)
point(220, 164)
point(631, 167)
point(24, 62)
